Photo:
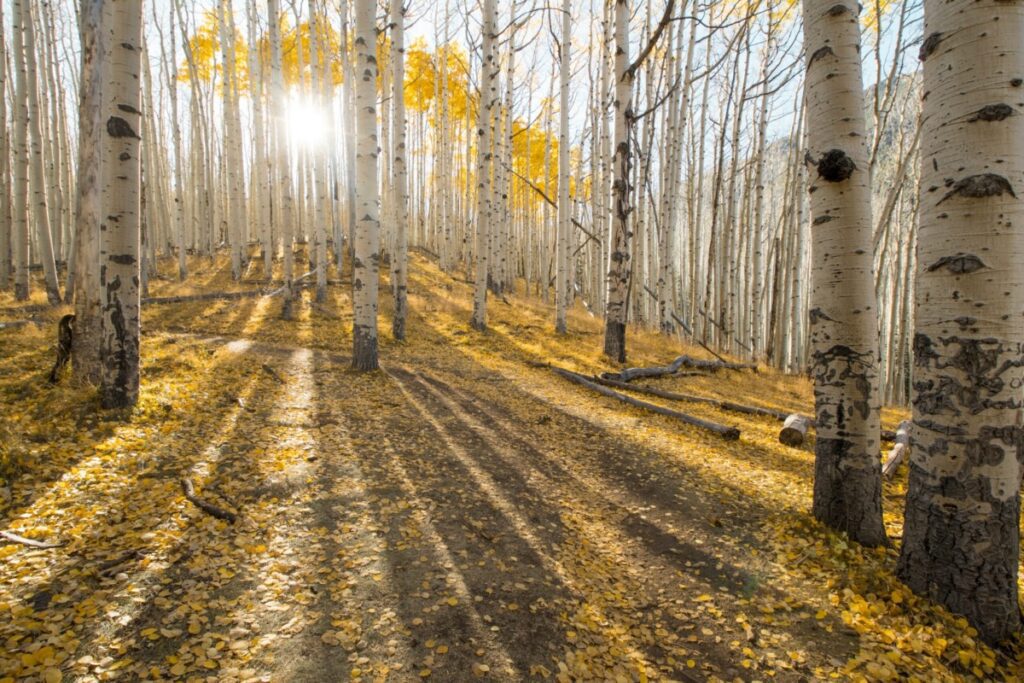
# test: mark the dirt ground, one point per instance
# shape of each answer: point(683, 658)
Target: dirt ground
point(463, 514)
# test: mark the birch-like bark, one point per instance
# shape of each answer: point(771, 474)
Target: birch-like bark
point(85, 351)
point(6, 224)
point(20, 155)
point(564, 223)
point(120, 227)
point(366, 265)
point(484, 206)
point(844, 328)
point(37, 175)
point(961, 534)
point(400, 214)
point(620, 270)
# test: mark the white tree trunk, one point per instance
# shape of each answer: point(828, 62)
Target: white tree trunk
point(565, 226)
point(38, 183)
point(961, 534)
point(844, 329)
point(620, 270)
point(20, 154)
point(484, 204)
point(400, 258)
point(366, 266)
point(120, 229)
point(86, 347)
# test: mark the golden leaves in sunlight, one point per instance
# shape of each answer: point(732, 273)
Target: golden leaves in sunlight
point(461, 515)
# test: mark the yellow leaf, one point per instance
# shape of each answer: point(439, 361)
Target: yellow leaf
point(52, 675)
point(453, 601)
point(425, 673)
point(178, 669)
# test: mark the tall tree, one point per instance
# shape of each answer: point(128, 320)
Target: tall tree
point(366, 265)
point(484, 204)
point(120, 229)
point(20, 153)
point(564, 210)
point(5, 178)
point(621, 269)
point(844, 328)
point(37, 174)
point(86, 347)
point(400, 261)
point(961, 531)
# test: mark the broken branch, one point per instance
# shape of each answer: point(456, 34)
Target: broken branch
point(209, 508)
point(31, 542)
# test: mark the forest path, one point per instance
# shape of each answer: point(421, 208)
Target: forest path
point(462, 514)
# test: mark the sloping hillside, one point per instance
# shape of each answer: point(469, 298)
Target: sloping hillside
point(464, 513)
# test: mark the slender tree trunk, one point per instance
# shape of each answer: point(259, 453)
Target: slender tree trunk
point(366, 266)
point(619, 274)
point(961, 534)
point(20, 154)
point(120, 229)
point(400, 259)
point(6, 224)
point(85, 350)
point(484, 204)
point(564, 216)
point(38, 184)
point(844, 328)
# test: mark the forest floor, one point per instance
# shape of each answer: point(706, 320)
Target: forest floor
point(463, 514)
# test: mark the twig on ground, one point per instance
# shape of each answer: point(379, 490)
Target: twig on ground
point(209, 508)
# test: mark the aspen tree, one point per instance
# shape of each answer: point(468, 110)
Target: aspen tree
point(844, 331)
point(236, 213)
point(5, 176)
point(484, 204)
point(37, 176)
point(961, 530)
point(85, 351)
point(621, 268)
point(120, 227)
point(20, 154)
point(564, 216)
point(366, 265)
point(400, 214)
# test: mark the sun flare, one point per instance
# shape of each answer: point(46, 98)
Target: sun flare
point(306, 124)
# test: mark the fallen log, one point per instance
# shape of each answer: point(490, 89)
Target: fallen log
point(212, 296)
point(630, 374)
point(11, 324)
point(794, 429)
point(209, 508)
point(31, 542)
point(729, 433)
point(899, 450)
point(673, 396)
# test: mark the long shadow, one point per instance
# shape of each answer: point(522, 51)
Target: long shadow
point(135, 490)
point(644, 475)
point(448, 540)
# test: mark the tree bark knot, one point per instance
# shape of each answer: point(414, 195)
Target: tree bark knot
point(820, 53)
point(119, 128)
point(993, 112)
point(930, 44)
point(958, 264)
point(835, 166)
point(980, 186)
